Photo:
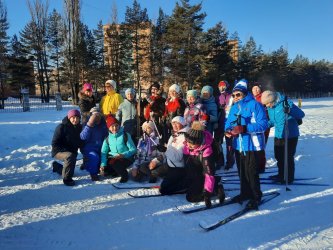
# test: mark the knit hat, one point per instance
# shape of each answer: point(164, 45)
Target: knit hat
point(175, 87)
point(129, 90)
point(268, 97)
point(148, 124)
point(112, 83)
point(110, 120)
point(192, 92)
point(179, 119)
point(195, 135)
point(223, 84)
point(73, 112)
point(207, 89)
point(241, 86)
point(87, 86)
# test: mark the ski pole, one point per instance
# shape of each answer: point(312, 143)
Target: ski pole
point(286, 134)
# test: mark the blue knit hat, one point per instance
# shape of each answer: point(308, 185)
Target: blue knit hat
point(241, 86)
point(129, 90)
point(208, 89)
point(192, 92)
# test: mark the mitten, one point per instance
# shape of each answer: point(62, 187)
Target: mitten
point(240, 129)
point(205, 117)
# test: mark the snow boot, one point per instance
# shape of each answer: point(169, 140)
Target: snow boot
point(69, 182)
point(207, 199)
point(220, 193)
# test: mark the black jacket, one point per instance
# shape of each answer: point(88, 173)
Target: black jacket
point(66, 137)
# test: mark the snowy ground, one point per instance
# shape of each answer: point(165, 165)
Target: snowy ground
point(38, 212)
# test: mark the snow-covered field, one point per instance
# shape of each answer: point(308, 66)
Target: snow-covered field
point(38, 212)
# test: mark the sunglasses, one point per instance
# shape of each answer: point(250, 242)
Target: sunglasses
point(237, 95)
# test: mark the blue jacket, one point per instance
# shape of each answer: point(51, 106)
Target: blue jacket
point(93, 137)
point(116, 146)
point(210, 107)
point(253, 116)
point(277, 117)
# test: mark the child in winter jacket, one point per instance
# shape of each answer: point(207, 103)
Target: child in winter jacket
point(200, 167)
point(147, 163)
point(93, 135)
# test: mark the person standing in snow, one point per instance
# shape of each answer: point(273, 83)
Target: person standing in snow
point(111, 101)
point(65, 144)
point(210, 107)
point(93, 135)
point(87, 101)
point(127, 114)
point(200, 166)
point(174, 106)
point(246, 124)
point(117, 151)
point(225, 103)
point(278, 106)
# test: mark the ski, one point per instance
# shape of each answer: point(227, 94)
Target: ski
point(134, 186)
point(209, 227)
point(269, 179)
point(289, 184)
point(144, 193)
point(216, 204)
point(232, 174)
point(192, 209)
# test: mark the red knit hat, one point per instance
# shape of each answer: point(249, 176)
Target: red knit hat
point(223, 84)
point(110, 120)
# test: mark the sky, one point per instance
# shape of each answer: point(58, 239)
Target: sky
point(37, 211)
point(303, 27)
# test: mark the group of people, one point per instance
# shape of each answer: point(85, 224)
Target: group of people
point(181, 140)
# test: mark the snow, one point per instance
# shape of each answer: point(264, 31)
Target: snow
point(38, 212)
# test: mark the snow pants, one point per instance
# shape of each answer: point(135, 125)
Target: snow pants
point(69, 160)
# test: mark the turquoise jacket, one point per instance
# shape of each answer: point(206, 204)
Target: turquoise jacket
point(114, 145)
point(277, 117)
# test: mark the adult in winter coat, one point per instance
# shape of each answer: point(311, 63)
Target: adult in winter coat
point(210, 107)
point(93, 135)
point(87, 101)
point(117, 150)
point(65, 144)
point(257, 92)
point(200, 165)
point(154, 106)
point(174, 106)
point(247, 123)
point(175, 179)
point(111, 101)
point(277, 107)
point(146, 162)
point(194, 110)
point(225, 102)
point(127, 114)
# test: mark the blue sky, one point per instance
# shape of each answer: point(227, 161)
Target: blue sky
point(302, 26)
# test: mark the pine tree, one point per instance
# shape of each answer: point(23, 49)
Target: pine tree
point(184, 38)
point(100, 64)
point(55, 32)
point(4, 25)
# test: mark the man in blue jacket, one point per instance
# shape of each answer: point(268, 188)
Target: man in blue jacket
point(277, 107)
point(246, 123)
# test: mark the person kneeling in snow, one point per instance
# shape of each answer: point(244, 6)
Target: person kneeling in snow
point(200, 166)
point(65, 144)
point(93, 134)
point(117, 151)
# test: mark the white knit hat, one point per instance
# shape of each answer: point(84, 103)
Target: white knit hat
point(175, 87)
point(112, 83)
point(179, 119)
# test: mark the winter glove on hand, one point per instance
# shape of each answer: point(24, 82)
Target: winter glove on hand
point(240, 129)
point(205, 117)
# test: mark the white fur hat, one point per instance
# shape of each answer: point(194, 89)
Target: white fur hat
point(148, 124)
point(112, 83)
